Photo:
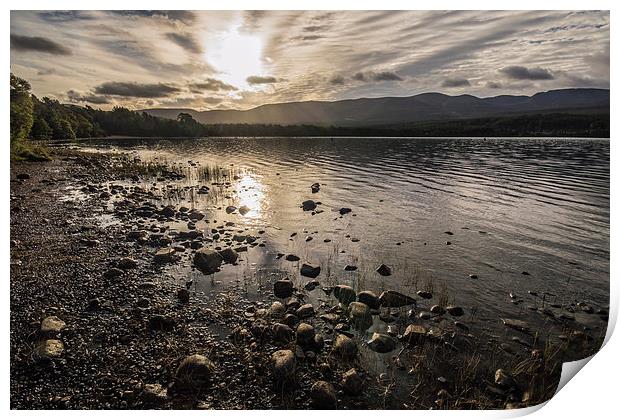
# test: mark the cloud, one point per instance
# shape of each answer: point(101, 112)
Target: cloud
point(524, 73)
point(455, 82)
point(315, 28)
point(59, 16)
point(136, 90)
point(377, 77)
point(46, 72)
point(39, 44)
point(493, 85)
point(185, 41)
point(337, 80)
point(77, 97)
point(261, 80)
point(185, 16)
point(213, 85)
point(308, 37)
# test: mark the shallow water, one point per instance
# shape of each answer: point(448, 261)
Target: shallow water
point(513, 205)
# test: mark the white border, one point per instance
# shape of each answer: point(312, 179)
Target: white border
point(592, 395)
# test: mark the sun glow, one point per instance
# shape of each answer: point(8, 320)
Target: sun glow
point(236, 55)
point(250, 193)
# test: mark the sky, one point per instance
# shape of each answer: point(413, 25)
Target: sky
point(242, 59)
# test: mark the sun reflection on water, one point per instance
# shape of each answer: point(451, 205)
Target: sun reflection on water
point(250, 193)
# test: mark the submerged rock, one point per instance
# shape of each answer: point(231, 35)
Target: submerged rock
point(315, 187)
point(207, 260)
point(308, 205)
point(243, 210)
point(344, 210)
point(393, 299)
point(230, 209)
point(344, 293)
point(369, 298)
point(384, 270)
point(424, 294)
point(229, 255)
point(350, 267)
point(292, 257)
point(455, 310)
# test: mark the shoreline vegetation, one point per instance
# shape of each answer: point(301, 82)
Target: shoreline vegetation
point(47, 119)
point(111, 330)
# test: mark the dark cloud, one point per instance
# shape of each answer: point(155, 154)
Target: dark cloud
point(524, 73)
point(58, 16)
point(315, 28)
point(261, 80)
point(184, 16)
point(46, 72)
point(136, 90)
point(385, 75)
point(39, 44)
point(185, 41)
point(213, 100)
point(337, 80)
point(308, 37)
point(77, 97)
point(494, 85)
point(455, 82)
point(211, 84)
point(377, 77)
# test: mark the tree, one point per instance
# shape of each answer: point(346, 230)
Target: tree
point(41, 130)
point(21, 108)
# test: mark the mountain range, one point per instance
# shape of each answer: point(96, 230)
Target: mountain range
point(402, 110)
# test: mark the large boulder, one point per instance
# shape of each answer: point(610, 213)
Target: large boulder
point(305, 311)
point(229, 255)
point(208, 260)
point(283, 288)
point(195, 371)
point(393, 299)
point(305, 335)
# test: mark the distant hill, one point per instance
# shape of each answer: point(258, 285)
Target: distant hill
point(401, 110)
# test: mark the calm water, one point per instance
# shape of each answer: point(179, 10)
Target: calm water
point(513, 205)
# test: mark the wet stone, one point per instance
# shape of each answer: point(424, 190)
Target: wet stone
point(323, 395)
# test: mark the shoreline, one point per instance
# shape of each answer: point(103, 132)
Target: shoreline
point(127, 329)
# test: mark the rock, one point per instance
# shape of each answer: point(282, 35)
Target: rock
point(52, 326)
point(414, 334)
point(243, 210)
point(277, 310)
point(504, 380)
point(455, 310)
point(308, 205)
point(311, 271)
point(323, 395)
point(382, 343)
point(305, 311)
point(438, 310)
point(384, 270)
point(319, 342)
point(282, 332)
point(229, 255)
point(350, 267)
point(517, 325)
point(359, 314)
point(283, 288)
point(127, 263)
point(311, 285)
point(473, 276)
point(195, 371)
point(207, 260)
point(49, 349)
point(305, 334)
point(161, 323)
point(292, 257)
point(230, 209)
point(165, 256)
point(352, 382)
point(113, 273)
point(369, 298)
point(168, 211)
point(283, 365)
point(393, 299)
point(22, 176)
point(315, 187)
point(183, 295)
point(153, 394)
point(425, 315)
point(345, 294)
point(196, 215)
point(345, 347)
point(344, 210)
point(424, 294)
